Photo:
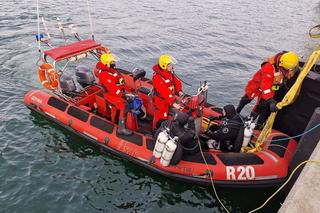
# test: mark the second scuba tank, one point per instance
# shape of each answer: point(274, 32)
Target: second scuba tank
point(248, 132)
point(168, 152)
point(160, 144)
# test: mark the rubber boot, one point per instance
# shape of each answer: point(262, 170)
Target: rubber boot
point(243, 102)
point(122, 128)
point(263, 118)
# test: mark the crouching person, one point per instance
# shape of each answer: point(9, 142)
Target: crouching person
point(182, 130)
point(183, 127)
point(227, 135)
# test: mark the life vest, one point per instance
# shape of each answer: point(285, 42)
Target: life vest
point(273, 79)
point(112, 81)
point(277, 75)
point(165, 84)
point(167, 78)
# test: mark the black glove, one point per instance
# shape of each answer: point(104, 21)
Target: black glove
point(272, 105)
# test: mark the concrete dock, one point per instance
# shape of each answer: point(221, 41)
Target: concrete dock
point(305, 194)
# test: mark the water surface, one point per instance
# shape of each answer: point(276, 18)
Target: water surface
point(44, 168)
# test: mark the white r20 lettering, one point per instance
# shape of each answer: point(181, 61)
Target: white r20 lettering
point(240, 173)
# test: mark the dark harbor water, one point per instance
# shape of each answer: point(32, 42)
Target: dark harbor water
point(44, 168)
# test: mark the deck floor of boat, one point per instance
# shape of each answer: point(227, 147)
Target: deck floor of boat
point(145, 126)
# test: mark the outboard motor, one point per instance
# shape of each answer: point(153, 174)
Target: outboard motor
point(67, 84)
point(138, 74)
point(84, 76)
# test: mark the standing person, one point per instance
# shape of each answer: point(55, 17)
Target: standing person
point(266, 81)
point(114, 86)
point(165, 84)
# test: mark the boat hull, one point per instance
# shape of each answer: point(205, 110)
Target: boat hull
point(262, 169)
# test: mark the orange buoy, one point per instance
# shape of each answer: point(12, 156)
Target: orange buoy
point(102, 50)
point(48, 76)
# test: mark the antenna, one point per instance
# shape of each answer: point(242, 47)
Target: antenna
point(45, 28)
point(60, 26)
point(90, 20)
point(74, 30)
point(38, 20)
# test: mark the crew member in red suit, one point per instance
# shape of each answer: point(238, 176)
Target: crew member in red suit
point(266, 81)
point(114, 87)
point(165, 84)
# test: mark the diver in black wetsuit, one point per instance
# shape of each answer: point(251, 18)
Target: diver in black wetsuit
point(227, 135)
point(183, 127)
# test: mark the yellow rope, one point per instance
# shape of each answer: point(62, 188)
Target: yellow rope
point(285, 183)
point(288, 99)
point(211, 179)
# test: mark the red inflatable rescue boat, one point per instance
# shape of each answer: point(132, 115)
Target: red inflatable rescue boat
point(82, 109)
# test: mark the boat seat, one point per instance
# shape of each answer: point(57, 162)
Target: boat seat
point(106, 109)
point(102, 106)
point(86, 108)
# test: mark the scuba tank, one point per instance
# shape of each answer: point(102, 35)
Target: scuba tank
point(160, 144)
point(166, 143)
point(168, 152)
point(248, 132)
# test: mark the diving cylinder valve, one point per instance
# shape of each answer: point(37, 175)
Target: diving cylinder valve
point(168, 152)
point(248, 132)
point(160, 144)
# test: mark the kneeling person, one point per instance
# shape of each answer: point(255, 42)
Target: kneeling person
point(183, 127)
point(226, 134)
